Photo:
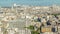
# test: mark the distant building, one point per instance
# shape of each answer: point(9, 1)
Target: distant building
point(46, 29)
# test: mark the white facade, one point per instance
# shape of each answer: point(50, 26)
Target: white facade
point(24, 32)
point(48, 33)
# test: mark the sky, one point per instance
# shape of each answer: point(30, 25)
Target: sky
point(29, 2)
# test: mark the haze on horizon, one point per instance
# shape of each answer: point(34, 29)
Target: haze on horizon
point(29, 2)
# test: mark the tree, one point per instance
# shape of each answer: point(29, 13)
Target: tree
point(31, 27)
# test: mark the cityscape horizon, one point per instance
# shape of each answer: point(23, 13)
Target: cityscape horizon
point(29, 16)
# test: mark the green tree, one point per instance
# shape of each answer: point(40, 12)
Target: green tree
point(31, 27)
